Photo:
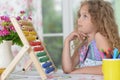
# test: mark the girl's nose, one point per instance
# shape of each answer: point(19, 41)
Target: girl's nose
point(79, 21)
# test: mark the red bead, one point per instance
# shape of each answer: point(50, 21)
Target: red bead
point(41, 48)
point(35, 43)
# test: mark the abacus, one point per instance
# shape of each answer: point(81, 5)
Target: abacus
point(39, 56)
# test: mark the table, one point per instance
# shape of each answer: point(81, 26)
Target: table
point(59, 75)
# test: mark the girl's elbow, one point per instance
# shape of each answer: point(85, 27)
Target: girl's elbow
point(66, 70)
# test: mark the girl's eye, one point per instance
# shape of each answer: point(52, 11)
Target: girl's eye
point(84, 16)
point(79, 15)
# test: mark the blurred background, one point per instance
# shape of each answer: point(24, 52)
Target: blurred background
point(52, 19)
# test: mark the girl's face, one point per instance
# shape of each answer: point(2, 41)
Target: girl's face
point(84, 21)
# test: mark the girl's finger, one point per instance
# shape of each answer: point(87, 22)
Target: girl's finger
point(83, 34)
point(78, 36)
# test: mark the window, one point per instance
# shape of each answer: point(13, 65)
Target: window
point(57, 24)
point(53, 28)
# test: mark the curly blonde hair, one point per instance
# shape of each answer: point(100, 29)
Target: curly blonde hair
point(102, 16)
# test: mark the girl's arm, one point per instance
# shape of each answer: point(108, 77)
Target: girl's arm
point(68, 62)
point(102, 42)
point(97, 70)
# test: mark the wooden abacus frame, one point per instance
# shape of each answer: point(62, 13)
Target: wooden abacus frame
point(26, 48)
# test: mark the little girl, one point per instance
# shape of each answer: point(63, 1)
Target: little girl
point(96, 29)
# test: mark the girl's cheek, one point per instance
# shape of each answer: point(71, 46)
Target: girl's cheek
point(79, 29)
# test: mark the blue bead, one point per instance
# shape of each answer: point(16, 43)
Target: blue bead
point(47, 64)
point(50, 69)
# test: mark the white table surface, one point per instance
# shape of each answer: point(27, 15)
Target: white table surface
point(59, 75)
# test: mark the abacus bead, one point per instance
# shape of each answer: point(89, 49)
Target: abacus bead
point(38, 48)
point(47, 64)
point(40, 54)
point(44, 59)
point(50, 69)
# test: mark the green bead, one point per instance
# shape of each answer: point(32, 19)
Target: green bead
point(40, 54)
point(44, 59)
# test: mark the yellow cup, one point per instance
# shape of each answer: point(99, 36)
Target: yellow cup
point(111, 69)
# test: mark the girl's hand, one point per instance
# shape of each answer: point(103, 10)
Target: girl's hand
point(73, 35)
